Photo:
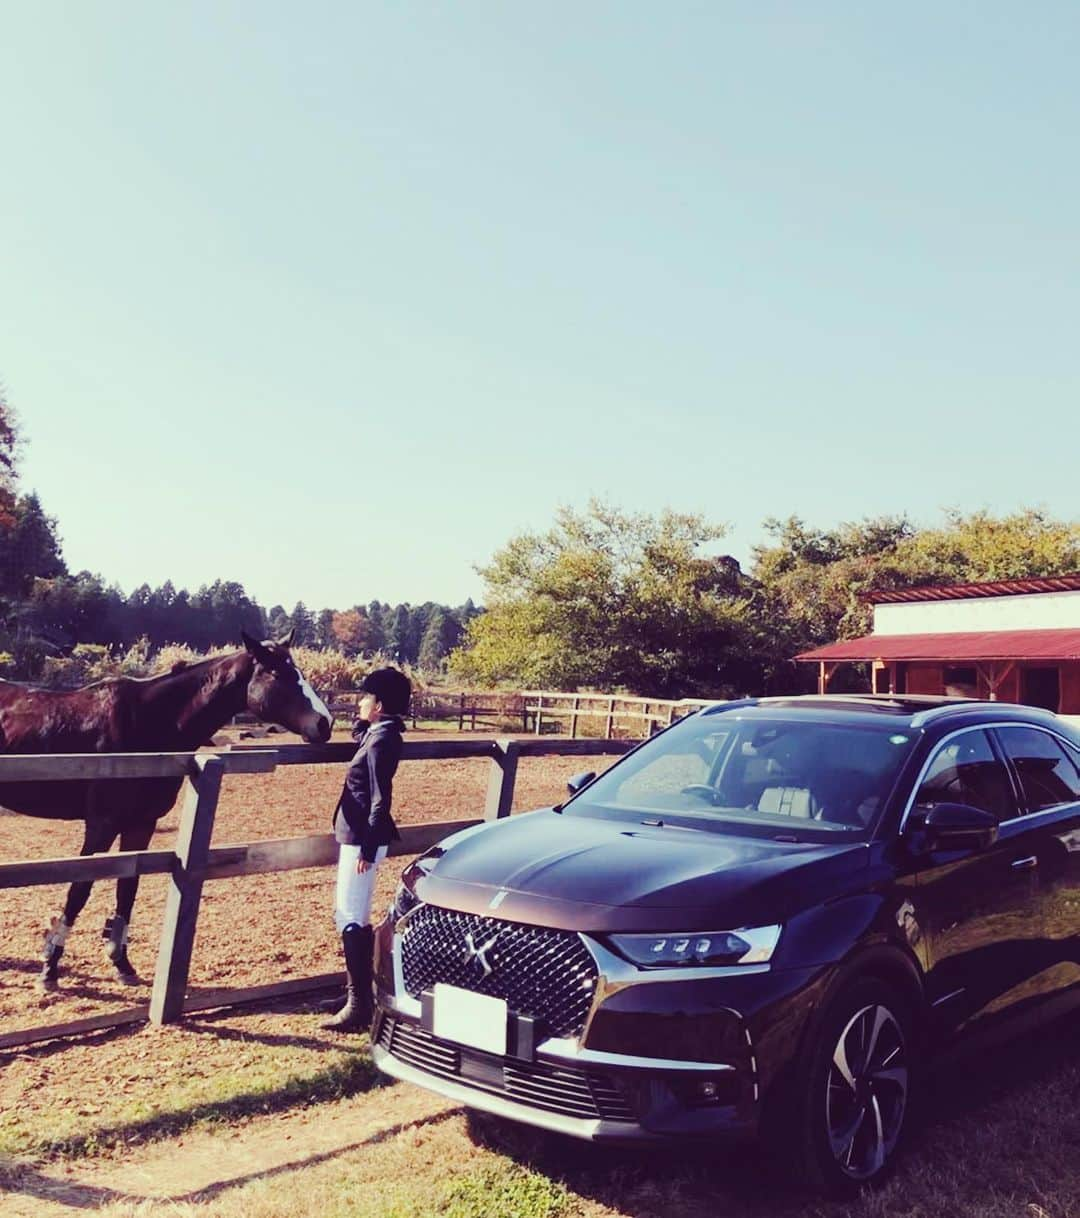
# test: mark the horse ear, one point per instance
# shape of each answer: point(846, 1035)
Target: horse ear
point(254, 647)
point(287, 641)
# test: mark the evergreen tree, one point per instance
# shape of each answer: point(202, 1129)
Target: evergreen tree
point(398, 634)
point(324, 629)
point(277, 623)
point(377, 632)
point(442, 635)
point(29, 547)
point(302, 621)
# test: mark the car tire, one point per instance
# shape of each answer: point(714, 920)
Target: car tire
point(853, 1098)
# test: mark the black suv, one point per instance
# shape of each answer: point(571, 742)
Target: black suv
point(761, 920)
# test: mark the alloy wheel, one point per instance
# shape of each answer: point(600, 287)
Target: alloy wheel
point(866, 1092)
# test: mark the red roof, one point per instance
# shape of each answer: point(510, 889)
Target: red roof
point(963, 592)
point(966, 645)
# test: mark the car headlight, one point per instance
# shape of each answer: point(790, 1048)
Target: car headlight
point(699, 949)
point(405, 900)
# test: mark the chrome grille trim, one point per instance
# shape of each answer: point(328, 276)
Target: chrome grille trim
point(548, 974)
point(562, 1090)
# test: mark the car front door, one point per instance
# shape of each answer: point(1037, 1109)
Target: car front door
point(978, 910)
point(1048, 777)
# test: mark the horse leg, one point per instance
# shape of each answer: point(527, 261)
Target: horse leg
point(115, 933)
point(97, 839)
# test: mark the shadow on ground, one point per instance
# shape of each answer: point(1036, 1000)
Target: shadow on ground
point(994, 1133)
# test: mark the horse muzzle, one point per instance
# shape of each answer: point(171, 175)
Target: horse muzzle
point(317, 730)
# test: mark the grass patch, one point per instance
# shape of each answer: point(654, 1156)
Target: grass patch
point(220, 1098)
point(504, 1188)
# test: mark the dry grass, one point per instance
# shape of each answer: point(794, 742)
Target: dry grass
point(265, 1117)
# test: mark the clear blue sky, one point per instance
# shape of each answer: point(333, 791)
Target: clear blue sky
point(270, 272)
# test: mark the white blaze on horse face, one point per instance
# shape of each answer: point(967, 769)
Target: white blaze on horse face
point(316, 703)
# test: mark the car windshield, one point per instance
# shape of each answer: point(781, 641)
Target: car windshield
point(785, 774)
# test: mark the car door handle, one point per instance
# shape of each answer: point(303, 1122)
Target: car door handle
point(1028, 864)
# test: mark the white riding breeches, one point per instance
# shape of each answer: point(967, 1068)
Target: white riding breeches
point(354, 891)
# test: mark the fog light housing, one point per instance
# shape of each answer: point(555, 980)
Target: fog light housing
point(710, 1091)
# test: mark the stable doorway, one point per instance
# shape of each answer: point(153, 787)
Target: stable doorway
point(1041, 687)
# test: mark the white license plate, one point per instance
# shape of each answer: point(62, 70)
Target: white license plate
point(470, 1019)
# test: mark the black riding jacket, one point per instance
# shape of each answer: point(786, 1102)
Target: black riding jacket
point(362, 817)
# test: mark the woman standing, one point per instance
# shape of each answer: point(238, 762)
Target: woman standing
point(364, 829)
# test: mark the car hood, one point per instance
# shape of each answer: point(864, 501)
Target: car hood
point(588, 873)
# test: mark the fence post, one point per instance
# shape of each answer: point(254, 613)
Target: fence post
point(610, 729)
point(461, 712)
point(500, 792)
point(574, 718)
point(539, 712)
point(185, 891)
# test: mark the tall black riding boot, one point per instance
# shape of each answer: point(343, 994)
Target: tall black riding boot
point(358, 943)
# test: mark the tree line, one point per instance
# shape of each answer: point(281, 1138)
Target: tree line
point(46, 611)
point(604, 599)
point(611, 600)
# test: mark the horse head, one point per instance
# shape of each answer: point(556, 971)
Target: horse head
point(279, 693)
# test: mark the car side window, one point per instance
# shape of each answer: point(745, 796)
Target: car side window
point(966, 771)
point(1048, 776)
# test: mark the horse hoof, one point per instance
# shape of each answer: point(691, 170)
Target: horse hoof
point(48, 985)
point(129, 978)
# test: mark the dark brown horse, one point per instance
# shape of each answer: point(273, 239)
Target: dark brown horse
point(173, 713)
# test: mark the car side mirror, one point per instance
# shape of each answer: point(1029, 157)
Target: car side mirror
point(951, 827)
point(575, 784)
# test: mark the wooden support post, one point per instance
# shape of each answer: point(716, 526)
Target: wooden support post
point(185, 891)
point(609, 730)
point(994, 674)
point(574, 718)
point(461, 713)
point(500, 792)
point(826, 672)
point(539, 712)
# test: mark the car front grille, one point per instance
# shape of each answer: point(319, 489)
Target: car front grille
point(547, 974)
point(563, 1090)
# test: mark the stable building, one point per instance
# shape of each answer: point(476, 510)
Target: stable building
point(1014, 640)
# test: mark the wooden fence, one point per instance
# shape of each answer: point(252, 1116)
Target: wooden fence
point(538, 709)
point(647, 715)
point(195, 860)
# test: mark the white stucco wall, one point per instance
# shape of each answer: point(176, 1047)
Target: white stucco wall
point(1042, 611)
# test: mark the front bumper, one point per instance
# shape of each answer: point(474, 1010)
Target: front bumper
point(609, 1097)
point(663, 1055)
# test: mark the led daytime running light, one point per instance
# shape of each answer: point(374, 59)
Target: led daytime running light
point(700, 948)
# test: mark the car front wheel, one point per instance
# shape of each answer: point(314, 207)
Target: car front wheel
point(856, 1094)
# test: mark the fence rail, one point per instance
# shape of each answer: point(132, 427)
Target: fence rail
point(194, 861)
point(651, 713)
point(626, 713)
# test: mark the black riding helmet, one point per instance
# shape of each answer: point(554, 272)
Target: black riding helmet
point(391, 687)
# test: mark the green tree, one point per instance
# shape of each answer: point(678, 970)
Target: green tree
point(608, 599)
point(398, 631)
point(441, 635)
point(9, 439)
point(981, 546)
point(29, 547)
point(815, 586)
point(277, 622)
point(324, 629)
point(303, 623)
